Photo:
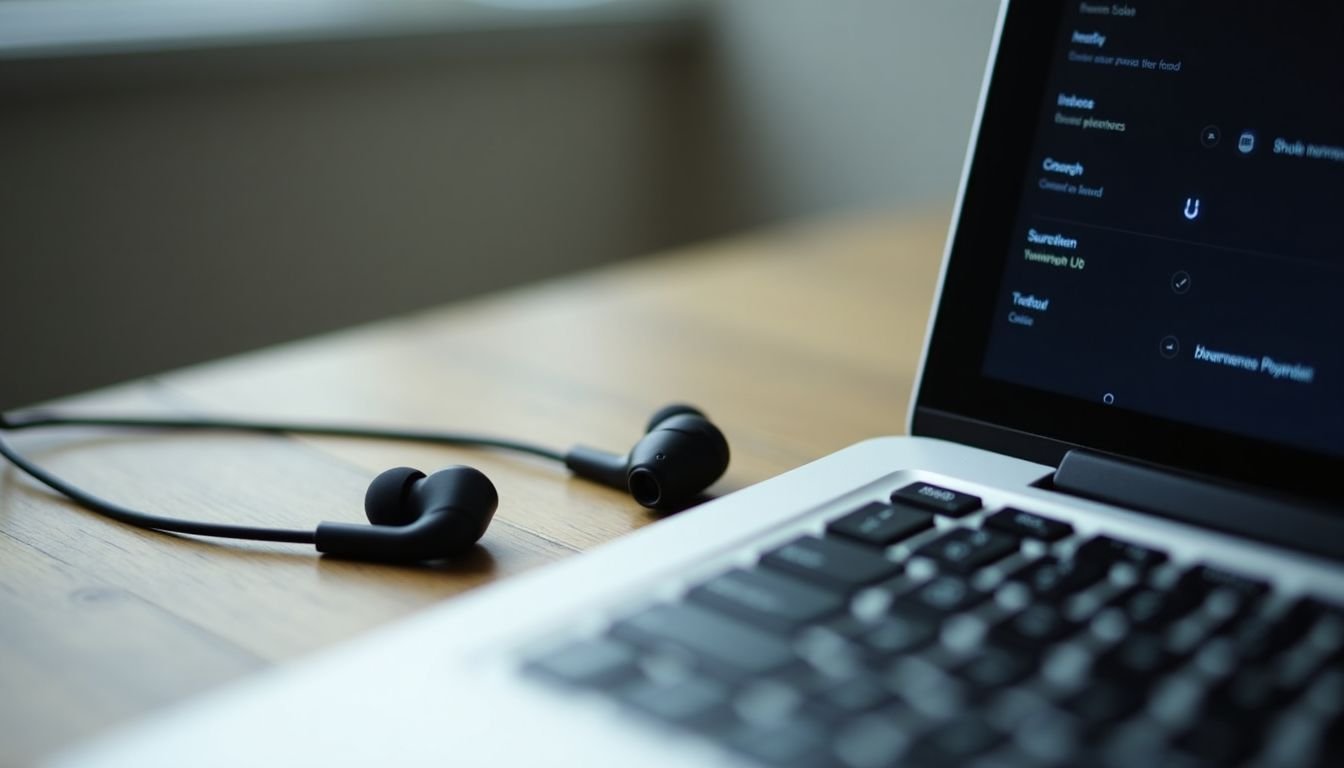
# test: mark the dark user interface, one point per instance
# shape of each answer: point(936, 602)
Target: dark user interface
point(1179, 249)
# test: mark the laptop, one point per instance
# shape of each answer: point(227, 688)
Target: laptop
point(1115, 537)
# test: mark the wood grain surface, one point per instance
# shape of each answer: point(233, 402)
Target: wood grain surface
point(796, 341)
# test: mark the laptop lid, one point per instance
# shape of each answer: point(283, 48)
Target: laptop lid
point(1148, 253)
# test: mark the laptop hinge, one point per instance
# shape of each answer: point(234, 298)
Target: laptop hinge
point(1210, 504)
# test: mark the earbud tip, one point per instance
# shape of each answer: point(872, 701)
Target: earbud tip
point(668, 411)
point(385, 501)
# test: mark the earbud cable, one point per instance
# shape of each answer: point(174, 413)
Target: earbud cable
point(9, 423)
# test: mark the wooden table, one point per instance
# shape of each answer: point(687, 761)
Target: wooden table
point(797, 341)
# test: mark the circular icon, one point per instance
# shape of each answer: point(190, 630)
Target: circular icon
point(1180, 282)
point(1170, 347)
point(1246, 142)
point(1108, 398)
point(1210, 136)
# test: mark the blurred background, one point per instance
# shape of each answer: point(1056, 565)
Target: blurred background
point(187, 179)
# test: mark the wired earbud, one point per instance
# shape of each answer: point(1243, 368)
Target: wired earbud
point(680, 455)
point(415, 517)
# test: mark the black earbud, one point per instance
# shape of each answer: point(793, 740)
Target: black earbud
point(680, 455)
point(416, 518)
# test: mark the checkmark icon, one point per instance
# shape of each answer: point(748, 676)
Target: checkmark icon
point(1180, 282)
point(1170, 347)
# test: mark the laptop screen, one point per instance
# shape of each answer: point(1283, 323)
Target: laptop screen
point(1179, 247)
point(1175, 250)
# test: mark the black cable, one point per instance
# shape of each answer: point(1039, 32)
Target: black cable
point(34, 420)
point(143, 520)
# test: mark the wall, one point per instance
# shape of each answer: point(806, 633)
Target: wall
point(164, 207)
point(167, 208)
point(846, 104)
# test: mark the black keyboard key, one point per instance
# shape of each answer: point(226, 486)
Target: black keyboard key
point(846, 626)
point(767, 701)
point(1028, 525)
point(1203, 580)
point(1257, 638)
point(723, 643)
point(927, 687)
point(1108, 551)
point(964, 550)
point(1326, 691)
point(595, 662)
point(1104, 702)
point(900, 633)
point(809, 681)
point(1138, 743)
point(937, 499)
point(855, 696)
point(1140, 658)
point(799, 742)
point(1033, 628)
point(874, 741)
point(691, 701)
point(765, 597)
point(831, 563)
point(1051, 578)
point(881, 524)
point(956, 742)
point(1049, 736)
point(1220, 743)
point(1332, 749)
point(997, 667)
point(1147, 608)
point(1249, 692)
point(1236, 594)
point(945, 594)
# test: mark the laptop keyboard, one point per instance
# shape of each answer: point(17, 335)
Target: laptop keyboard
point(891, 640)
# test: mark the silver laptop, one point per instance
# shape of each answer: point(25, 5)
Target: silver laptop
point(1116, 538)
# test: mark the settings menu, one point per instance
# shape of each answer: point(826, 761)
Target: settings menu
point(1179, 246)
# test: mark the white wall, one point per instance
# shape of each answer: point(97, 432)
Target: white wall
point(835, 104)
point(166, 207)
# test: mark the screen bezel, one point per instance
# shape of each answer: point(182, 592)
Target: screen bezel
point(1032, 423)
